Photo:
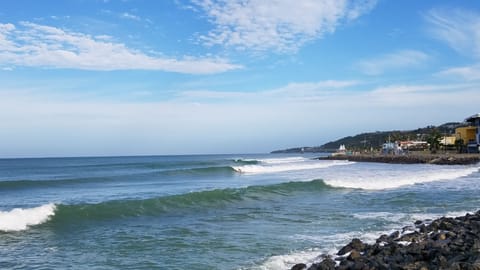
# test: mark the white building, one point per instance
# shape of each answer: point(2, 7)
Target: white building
point(474, 121)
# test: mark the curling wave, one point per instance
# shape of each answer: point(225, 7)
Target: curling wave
point(20, 219)
point(60, 214)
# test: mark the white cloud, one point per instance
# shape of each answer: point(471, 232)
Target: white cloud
point(393, 61)
point(468, 73)
point(279, 25)
point(35, 45)
point(130, 16)
point(459, 29)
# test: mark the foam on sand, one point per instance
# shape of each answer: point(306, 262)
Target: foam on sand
point(19, 219)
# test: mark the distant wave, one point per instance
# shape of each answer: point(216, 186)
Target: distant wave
point(201, 171)
point(283, 160)
point(279, 165)
point(19, 219)
point(245, 161)
point(389, 180)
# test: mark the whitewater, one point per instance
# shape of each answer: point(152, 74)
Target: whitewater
point(212, 211)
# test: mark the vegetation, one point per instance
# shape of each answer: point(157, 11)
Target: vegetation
point(374, 140)
point(434, 141)
point(459, 145)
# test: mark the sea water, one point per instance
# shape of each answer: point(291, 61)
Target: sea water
point(212, 211)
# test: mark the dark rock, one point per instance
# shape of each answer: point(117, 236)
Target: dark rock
point(410, 237)
point(382, 238)
point(326, 264)
point(356, 244)
point(394, 235)
point(299, 266)
point(354, 255)
point(444, 243)
point(408, 228)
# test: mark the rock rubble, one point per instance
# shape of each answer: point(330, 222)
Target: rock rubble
point(444, 243)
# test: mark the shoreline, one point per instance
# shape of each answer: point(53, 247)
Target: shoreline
point(444, 243)
point(411, 158)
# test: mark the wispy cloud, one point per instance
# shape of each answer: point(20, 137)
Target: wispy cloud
point(34, 45)
point(126, 15)
point(392, 61)
point(469, 73)
point(280, 25)
point(292, 92)
point(458, 28)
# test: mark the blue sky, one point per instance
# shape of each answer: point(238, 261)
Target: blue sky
point(132, 77)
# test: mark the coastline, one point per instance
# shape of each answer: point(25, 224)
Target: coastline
point(411, 158)
point(444, 243)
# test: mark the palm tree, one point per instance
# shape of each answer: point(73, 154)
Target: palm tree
point(434, 141)
point(459, 143)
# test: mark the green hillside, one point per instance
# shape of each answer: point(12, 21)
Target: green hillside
point(376, 139)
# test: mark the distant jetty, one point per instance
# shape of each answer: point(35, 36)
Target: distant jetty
point(411, 158)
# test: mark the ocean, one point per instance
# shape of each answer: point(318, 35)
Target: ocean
point(212, 211)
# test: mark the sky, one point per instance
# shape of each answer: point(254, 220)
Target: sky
point(138, 77)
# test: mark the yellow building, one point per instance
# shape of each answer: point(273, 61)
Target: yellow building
point(448, 140)
point(466, 134)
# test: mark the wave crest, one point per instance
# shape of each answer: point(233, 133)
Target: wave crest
point(194, 201)
point(19, 219)
point(279, 166)
point(381, 180)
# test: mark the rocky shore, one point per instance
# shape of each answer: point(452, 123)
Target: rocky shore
point(439, 159)
point(444, 243)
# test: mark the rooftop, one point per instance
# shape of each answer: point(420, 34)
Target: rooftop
point(473, 117)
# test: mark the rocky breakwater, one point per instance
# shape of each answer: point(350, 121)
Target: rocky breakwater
point(438, 159)
point(445, 243)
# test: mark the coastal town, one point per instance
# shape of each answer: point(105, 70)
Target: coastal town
point(466, 139)
point(462, 147)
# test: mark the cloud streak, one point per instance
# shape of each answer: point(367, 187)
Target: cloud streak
point(458, 28)
point(34, 45)
point(469, 73)
point(393, 61)
point(280, 25)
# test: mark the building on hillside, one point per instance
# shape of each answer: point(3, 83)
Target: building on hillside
point(448, 140)
point(391, 148)
point(413, 145)
point(465, 133)
point(470, 134)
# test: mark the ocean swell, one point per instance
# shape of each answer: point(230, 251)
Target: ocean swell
point(197, 172)
point(192, 201)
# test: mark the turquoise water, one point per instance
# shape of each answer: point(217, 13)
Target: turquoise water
point(211, 211)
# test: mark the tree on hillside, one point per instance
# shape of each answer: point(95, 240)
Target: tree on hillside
point(459, 144)
point(434, 141)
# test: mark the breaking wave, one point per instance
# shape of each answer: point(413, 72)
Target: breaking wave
point(288, 164)
point(20, 219)
point(386, 179)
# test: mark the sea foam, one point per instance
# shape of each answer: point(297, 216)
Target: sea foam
point(19, 219)
point(288, 260)
point(384, 179)
point(284, 165)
